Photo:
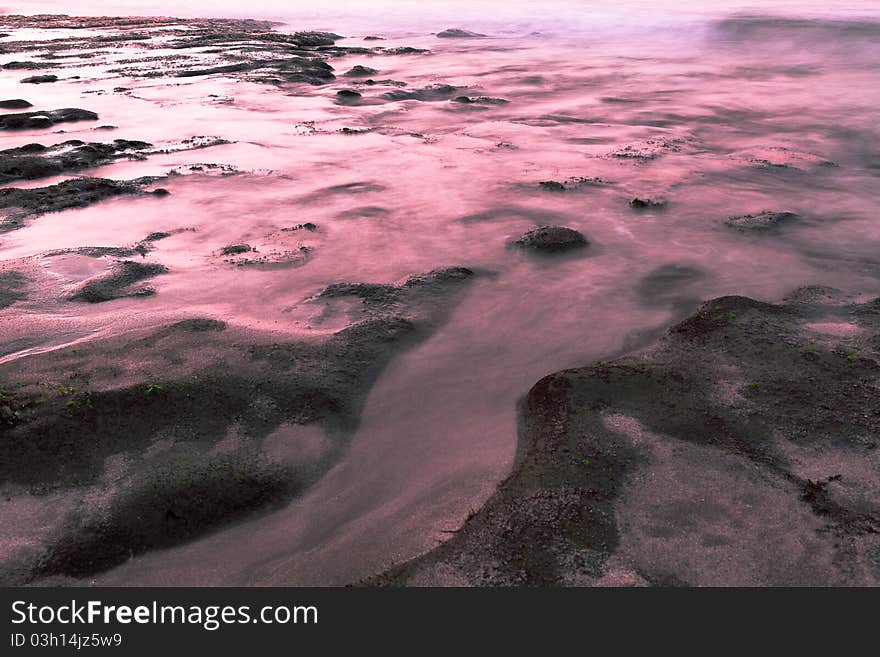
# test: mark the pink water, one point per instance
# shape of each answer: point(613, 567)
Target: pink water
point(451, 184)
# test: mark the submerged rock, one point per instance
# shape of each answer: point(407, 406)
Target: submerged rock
point(552, 239)
point(763, 221)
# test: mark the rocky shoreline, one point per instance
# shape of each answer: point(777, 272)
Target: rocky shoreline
point(742, 449)
point(739, 449)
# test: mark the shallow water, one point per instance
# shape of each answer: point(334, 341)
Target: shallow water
point(727, 116)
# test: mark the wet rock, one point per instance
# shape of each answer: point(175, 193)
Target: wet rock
point(763, 221)
point(161, 192)
point(737, 430)
point(479, 100)
point(552, 239)
point(373, 38)
point(118, 282)
point(31, 120)
point(315, 38)
point(456, 33)
point(155, 237)
point(361, 72)
point(405, 50)
point(309, 226)
point(12, 284)
point(430, 93)
point(348, 97)
point(200, 325)
point(15, 103)
point(235, 249)
point(14, 66)
point(98, 251)
point(552, 186)
point(229, 68)
point(119, 398)
point(34, 161)
point(39, 79)
point(77, 193)
point(647, 204)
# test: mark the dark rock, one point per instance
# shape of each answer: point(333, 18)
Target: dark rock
point(456, 33)
point(552, 186)
point(12, 284)
point(361, 72)
point(479, 100)
point(315, 38)
point(763, 221)
point(235, 249)
point(161, 192)
point(13, 66)
point(75, 193)
point(15, 103)
point(647, 204)
point(30, 120)
point(223, 378)
point(552, 239)
point(117, 283)
point(39, 79)
point(34, 161)
point(430, 93)
point(640, 459)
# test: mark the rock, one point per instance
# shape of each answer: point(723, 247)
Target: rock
point(479, 100)
point(34, 161)
point(12, 284)
point(117, 283)
point(763, 221)
point(552, 186)
point(13, 66)
point(15, 103)
point(361, 72)
point(315, 38)
point(39, 79)
point(235, 249)
point(75, 193)
point(741, 428)
point(31, 120)
point(224, 380)
point(552, 239)
point(647, 204)
point(430, 93)
point(161, 192)
point(456, 33)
